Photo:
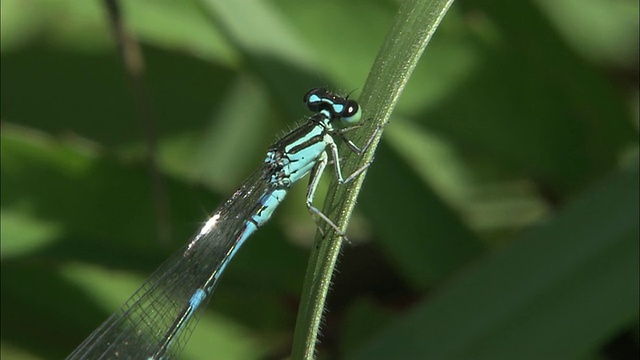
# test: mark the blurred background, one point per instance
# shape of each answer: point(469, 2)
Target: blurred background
point(499, 220)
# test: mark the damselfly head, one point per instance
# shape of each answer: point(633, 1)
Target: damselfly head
point(345, 110)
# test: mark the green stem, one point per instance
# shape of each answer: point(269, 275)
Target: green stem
point(413, 27)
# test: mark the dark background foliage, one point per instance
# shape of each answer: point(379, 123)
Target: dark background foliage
point(499, 220)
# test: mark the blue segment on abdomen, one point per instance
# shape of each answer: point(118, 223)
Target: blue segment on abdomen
point(249, 228)
point(270, 202)
point(196, 298)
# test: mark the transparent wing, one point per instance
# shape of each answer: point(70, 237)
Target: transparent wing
point(144, 323)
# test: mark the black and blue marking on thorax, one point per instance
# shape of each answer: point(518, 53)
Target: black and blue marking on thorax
point(295, 154)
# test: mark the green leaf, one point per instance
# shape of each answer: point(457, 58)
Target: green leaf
point(554, 293)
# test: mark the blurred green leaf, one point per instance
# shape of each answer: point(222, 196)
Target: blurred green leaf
point(554, 293)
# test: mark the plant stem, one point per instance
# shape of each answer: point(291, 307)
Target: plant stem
point(414, 25)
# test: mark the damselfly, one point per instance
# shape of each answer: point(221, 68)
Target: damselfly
point(156, 322)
